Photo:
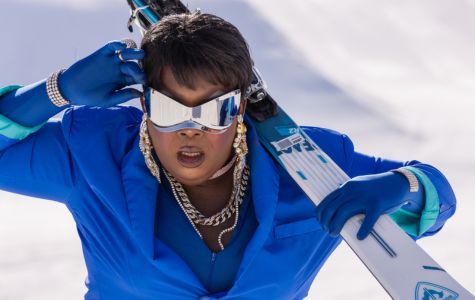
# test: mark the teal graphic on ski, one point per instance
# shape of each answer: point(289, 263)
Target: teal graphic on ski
point(430, 291)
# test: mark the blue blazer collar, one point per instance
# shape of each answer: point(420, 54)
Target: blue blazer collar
point(141, 190)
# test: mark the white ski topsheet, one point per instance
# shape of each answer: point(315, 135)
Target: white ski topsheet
point(404, 269)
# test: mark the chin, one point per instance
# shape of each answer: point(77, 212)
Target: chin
point(191, 177)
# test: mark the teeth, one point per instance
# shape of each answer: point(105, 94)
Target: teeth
point(191, 154)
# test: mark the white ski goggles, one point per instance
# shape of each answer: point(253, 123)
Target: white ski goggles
point(214, 116)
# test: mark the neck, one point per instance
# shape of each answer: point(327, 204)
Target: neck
point(212, 195)
point(224, 169)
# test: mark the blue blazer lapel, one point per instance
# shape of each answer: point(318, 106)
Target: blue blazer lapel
point(265, 190)
point(141, 190)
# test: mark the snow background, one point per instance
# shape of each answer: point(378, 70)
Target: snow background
point(397, 77)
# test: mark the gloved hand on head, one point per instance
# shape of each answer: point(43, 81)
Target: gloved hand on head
point(371, 195)
point(100, 79)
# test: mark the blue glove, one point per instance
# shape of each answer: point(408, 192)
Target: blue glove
point(96, 80)
point(371, 195)
point(99, 79)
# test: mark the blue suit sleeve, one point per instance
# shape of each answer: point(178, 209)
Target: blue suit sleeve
point(39, 165)
point(435, 183)
point(11, 131)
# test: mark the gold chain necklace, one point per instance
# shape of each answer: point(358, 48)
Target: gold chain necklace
point(192, 213)
point(196, 216)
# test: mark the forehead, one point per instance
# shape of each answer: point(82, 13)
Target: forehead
point(202, 91)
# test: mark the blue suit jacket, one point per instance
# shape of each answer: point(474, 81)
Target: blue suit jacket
point(91, 162)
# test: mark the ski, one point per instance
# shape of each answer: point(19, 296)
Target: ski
point(401, 266)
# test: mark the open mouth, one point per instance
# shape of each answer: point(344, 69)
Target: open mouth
point(190, 157)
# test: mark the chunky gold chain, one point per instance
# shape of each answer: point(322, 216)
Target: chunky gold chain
point(196, 216)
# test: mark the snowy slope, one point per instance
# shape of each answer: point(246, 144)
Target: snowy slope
point(398, 78)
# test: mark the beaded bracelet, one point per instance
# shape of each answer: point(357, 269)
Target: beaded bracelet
point(52, 89)
point(413, 182)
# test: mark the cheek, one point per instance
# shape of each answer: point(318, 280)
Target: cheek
point(163, 143)
point(221, 144)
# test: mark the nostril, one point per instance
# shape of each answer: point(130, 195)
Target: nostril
point(190, 132)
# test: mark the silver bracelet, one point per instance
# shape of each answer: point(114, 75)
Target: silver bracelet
point(52, 89)
point(413, 182)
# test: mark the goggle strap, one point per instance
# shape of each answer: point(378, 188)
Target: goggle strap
point(143, 103)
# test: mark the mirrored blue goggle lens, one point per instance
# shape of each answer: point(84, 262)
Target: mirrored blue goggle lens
point(170, 115)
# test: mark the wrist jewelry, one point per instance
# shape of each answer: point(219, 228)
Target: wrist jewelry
point(413, 182)
point(52, 89)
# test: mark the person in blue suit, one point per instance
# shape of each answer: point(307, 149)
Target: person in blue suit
point(180, 200)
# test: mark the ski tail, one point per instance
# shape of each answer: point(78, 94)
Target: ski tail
point(145, 13)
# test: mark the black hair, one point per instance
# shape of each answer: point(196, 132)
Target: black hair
point(197, 45)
